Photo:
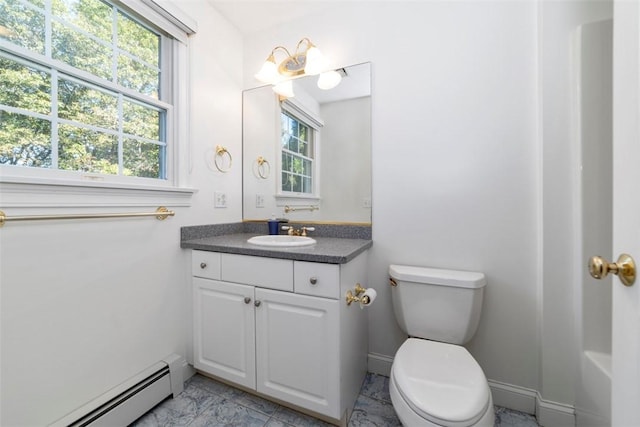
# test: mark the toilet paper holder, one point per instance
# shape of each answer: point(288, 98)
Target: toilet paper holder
point(355, 296)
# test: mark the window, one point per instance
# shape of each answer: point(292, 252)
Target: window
point(297, 155)
point(86, 87)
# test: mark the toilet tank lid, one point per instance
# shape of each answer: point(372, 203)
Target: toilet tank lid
point(437, 276)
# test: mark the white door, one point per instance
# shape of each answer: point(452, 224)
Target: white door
point(297, 350)
point(626, 212)
point(224, 330)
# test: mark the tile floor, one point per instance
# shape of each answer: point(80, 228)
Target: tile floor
point(205, 402)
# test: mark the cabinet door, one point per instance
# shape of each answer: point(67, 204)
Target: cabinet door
point(224, 330)
point(297, 350)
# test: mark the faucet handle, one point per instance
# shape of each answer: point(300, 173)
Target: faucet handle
point(289, 229)
point(305, 229)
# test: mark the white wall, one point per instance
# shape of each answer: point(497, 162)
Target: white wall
point(87, 304)
point(216, 113)
point(454, 152)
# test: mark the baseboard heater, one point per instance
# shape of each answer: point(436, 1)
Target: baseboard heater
point(126, 402)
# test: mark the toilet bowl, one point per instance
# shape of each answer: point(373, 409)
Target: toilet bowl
point(438, 383)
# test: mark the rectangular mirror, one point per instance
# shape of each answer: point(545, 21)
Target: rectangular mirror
point(308, 157)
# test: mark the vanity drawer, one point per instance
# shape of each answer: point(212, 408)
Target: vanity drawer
point(205, 264)
point(258, 271)
point(312, 278)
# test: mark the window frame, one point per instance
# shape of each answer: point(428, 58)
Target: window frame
point(311, 158)
point(173, 79)
point(303, 115)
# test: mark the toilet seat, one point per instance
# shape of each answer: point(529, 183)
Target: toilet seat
point(441, 383)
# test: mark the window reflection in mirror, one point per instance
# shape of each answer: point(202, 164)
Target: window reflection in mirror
point(310, 150)
point(297, 154)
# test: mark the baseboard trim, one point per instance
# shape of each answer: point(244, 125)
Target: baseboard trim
point(554, 414)
point(513, 397)
point(529, 401)
point(187, 371)
point(379, 364)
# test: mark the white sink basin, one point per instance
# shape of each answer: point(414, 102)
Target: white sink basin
point(282, 240)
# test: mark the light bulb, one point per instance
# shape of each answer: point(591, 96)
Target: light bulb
point(329, 80)
point(268, 73)
point(284, 88)
point(315, 63)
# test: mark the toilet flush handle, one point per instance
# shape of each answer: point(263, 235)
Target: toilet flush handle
point(392, 282)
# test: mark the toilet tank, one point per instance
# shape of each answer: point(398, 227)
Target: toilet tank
point(436, 304)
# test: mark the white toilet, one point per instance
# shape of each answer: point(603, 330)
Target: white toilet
point(434, 380)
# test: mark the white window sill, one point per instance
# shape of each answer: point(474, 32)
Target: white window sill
point(28, 192)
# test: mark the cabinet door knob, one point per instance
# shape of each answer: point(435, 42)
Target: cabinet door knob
point(247, 300)
point(313, 280)
point(203, 265)
point(257, 303)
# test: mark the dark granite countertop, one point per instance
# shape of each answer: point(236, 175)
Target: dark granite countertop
point(330, 250)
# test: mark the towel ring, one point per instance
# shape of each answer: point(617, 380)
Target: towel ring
point(219, 156)
point(263, 171)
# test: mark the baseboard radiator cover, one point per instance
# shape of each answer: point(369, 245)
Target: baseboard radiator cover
point(131, 399)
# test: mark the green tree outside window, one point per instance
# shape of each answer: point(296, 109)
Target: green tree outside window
point(53, 118)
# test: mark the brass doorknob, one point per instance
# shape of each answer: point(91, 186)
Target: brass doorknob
point(624, 268)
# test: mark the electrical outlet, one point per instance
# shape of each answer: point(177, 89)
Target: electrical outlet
point(366, 202)
point(220, 200)
point(259, 201)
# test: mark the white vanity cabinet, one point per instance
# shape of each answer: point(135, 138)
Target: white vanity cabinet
point(297, 343)
point(224, 334)
point(281, 328)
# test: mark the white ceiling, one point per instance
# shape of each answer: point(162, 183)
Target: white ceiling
point(250, 16)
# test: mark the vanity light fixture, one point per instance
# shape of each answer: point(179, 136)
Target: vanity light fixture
point(309, 62)
point(284, 88)
point(329, 79)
